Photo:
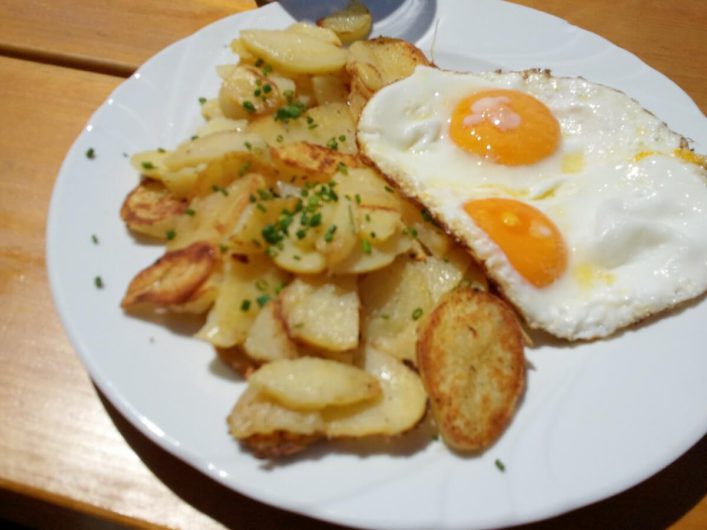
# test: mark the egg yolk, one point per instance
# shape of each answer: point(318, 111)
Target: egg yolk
point(531, 242)
point(509, 127)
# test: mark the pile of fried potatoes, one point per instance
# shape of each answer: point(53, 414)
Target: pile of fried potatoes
point(315, 276)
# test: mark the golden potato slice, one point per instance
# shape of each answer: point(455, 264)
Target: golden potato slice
point(323, 34)
point(300, 162)
point(367, 188)
point(378, 224)
point(263, 210)
point(271, 430)
point(178, 278)
point(349, 24)
point(399, 409)
point(217, 124)
point(323, 312)
point(292, 258)
point(151, 209)
point(202, 150)
point(294, 52)
point(381, 61)
point(213, 216)
point(330, 88)
point(238, 360)
point(394, 300)
point(244, 289)
point(219, 173)
point(338, 238)
point(311, 383)
point(470, 357)
point(246, 92)
point(244, 56)
point(267, 338)
point(150, 164)
point(370, 254)
point(328, 125)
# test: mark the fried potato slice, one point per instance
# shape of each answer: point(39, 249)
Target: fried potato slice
point(370, 254)
point(401, 406)
point(349, 24)
point(238, 360)
point(300, 162)
point(326, 125)
point(202, 150)
point(271, 430)
point(322, 312)
point(294, 51)
point(470, 357)
point(394, 299)
point(330, 88)
point(316, 32)
point(151, 209)
point(178, 278)
point(238, 98)
point(245, 287)
point(375, 63)
point(267, 338)
point(311, 383)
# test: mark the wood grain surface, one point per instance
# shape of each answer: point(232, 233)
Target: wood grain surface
point(67, 458)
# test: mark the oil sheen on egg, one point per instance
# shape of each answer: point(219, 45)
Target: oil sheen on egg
point(587, 211)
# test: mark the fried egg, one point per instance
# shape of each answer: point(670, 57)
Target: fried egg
point(586, 210)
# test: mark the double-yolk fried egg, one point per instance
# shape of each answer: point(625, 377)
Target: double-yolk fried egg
point(586, 210)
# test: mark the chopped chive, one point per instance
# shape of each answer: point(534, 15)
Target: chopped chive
point(329, 234)
point(267, 69)
point(257, 92)
point(259, 63)
point(125, 155)
point(296, 257)
point(194, 137)
point(245, 166)
point(161, 150)
point(261, 207)
point(500, 465)
point(249, 107)
point(146, 164)
point(219, 189)
point(279, 138)
point(189, 212)
point(316, 220)
point(385, 316)
point(171, 234)
point(94, 238)
point(389, 189)
point(267, 88)
point(342, 138)
point(366, 246)
point(245, 305)
point(223, 248)
point(417, 313)
point(262, 300)
point(301, 233)
point(261, 284)
point(342, 168)
point(248, 146)
point(91, 153)
point(332, 144)
point(358, 198)
point(202, 100)
point(98, 282)
point(252, 198)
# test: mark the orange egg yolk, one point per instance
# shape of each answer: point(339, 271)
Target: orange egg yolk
point(506, 126)
point(531, 242)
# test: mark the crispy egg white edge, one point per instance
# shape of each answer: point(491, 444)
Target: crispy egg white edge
point(488, 254)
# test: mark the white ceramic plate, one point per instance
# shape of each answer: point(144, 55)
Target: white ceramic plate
point(597, 418)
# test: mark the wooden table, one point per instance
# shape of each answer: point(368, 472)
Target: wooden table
point(67, 458)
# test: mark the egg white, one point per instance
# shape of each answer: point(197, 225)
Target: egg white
point(633, 216)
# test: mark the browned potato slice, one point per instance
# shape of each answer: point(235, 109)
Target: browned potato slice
point(151, 209)
point(381, 61)
point(271, 430)
point(323, 312)
point(399, 409)
point(351, 23)
point(311, 383)
point(373, 64)
point(178, 278)
point(470, 357)
point(243, 94)
point(294, 52)
point(245, 287)
point(238, 360)
point(328, 124)
point(300, 162)
point(330, 88)
point(267, 338)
